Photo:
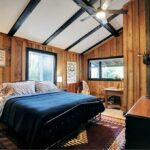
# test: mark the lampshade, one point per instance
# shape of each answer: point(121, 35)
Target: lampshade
point(59, 79)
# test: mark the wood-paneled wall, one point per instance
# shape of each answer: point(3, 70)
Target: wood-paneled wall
point(147, 9)
point(16, 57)
point(134, 43)
point(112, 47)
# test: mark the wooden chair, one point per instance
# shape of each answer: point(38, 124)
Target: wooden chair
point(83, 88)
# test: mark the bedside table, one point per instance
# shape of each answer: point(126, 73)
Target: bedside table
point(63, 89)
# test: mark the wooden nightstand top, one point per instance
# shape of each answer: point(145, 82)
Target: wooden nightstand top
point(113, 89)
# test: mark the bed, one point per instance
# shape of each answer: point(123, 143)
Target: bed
point(42, 119)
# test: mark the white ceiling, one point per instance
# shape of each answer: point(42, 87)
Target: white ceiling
point(91, 40)
point(9, 12)
point(75, 31)
point(49, 15)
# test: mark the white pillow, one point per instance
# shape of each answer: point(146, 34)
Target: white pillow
point(44, 86)
point(22, 88)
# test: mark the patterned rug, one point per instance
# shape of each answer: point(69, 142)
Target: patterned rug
point(107, 133)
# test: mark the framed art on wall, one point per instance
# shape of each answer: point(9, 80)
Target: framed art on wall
point(71, 72)
point(2, 58)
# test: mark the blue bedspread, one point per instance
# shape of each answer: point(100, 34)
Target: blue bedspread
point(26, 114)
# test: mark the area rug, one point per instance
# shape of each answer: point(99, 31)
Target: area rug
point(101, 134)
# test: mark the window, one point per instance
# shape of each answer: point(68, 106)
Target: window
point(106, 69)
point(41, 66)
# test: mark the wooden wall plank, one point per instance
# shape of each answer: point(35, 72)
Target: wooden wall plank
point(134, 42)
point(125, 48)
point(136, 50)
point(147, 17)
point(1, 68)
point(142, 45)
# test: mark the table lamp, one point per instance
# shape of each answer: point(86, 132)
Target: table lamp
point(59, 80)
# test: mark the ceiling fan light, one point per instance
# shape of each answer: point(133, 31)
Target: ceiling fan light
point(101, 15)
point(105, 6)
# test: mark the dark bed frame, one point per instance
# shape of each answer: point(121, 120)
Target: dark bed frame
point(66, 123)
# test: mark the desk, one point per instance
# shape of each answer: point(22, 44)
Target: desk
point(113, 92)
point(138, 125)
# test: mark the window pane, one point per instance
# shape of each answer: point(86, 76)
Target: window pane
point(112, 68)
point(106, 69)
point(94, 69)
point(41, 66)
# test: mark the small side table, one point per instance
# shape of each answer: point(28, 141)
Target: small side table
point(113, 92)
point(63, 89)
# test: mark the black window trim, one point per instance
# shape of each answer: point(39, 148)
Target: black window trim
point(43, 52)
point(100, 74)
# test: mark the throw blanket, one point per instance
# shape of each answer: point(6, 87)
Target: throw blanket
point(27, 114)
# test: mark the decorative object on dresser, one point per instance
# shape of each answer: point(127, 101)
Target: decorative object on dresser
point(138, 125)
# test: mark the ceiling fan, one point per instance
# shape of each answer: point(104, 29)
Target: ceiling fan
point(102, 11)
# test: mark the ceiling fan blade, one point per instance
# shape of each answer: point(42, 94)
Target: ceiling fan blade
point(85, 5)
point(85, 18)
point(120, 11)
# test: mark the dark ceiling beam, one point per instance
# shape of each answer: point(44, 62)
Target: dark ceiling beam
point(121, 29)
point(89, 33)
point(84, 4)
point(27, 11)
point(66, 24)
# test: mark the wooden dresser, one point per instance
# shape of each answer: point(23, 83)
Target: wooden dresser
point(138, 125)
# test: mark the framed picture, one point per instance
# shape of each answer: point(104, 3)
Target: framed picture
point(71, 72)
point(2, 58)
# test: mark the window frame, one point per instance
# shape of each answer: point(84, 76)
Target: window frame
point(100, 72)
point(43, 52)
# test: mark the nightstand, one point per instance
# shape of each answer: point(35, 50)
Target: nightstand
point(63, 89)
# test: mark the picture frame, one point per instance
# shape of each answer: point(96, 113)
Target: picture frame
point(2, 58)
point(71, 72)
